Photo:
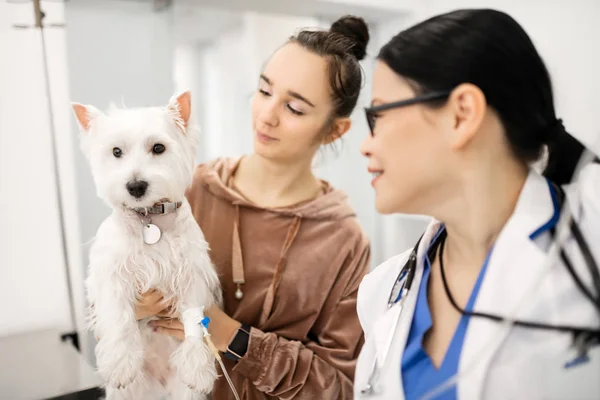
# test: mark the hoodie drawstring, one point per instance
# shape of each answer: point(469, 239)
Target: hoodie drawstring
point(237, 262)
point(270, 297)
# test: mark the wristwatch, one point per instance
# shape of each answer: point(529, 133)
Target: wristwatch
point(238, 346)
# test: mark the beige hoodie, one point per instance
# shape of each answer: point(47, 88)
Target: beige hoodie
point(300, 267)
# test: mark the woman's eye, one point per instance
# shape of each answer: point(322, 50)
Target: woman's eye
point(117, 152)
point(264, 92)
point(293, 110)
point(158, 148)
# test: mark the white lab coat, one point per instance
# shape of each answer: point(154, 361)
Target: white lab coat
point(518, 363)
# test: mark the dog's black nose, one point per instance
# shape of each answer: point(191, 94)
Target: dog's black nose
point(137, 188)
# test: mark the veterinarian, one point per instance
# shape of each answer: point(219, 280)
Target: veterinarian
point(286, 245)
point(485, 306)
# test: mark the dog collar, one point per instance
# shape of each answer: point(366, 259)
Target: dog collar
point(159, 208)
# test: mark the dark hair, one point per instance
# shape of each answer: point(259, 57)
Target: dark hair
point(343, 45)
point(491, 50)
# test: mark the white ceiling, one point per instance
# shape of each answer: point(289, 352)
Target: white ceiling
point(202, 20)
point(371, 10)
point(199, 24)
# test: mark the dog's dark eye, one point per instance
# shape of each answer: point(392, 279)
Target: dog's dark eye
point(117, 152)
point(158, 148)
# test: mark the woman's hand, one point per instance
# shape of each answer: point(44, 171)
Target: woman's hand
point(151, 303)
point(221, 327)
point(171, 327)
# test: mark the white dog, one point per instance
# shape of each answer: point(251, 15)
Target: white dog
point(142, 161)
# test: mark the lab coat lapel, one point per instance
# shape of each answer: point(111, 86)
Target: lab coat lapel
point(383, 331)
point(391, 330)
point(512, 272)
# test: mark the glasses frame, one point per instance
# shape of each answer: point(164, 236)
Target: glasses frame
point(424, 98)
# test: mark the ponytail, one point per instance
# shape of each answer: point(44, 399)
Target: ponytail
point(564, 152)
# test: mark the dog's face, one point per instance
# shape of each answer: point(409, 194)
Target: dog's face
point(139, 156)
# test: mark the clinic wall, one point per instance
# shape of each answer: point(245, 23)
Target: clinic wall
point(33, 278)
point(188, 75)
point(225, 62)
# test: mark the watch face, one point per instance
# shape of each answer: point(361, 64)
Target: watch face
point(239, 344)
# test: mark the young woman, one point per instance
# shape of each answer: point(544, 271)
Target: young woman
point(287, 246)
point(462, 104)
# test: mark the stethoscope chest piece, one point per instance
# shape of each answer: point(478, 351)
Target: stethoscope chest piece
point(367, 390)
point(404, 280)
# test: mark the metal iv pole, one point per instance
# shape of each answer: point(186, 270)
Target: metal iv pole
point(39, 24)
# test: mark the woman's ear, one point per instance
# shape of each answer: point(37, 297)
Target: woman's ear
point(339, 128)
point(467, 111)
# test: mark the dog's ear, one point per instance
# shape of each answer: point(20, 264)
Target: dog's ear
point(85, 115)
point(180, 107)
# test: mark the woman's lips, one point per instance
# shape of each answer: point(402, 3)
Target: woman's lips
point(265, 138)
point(376, 175)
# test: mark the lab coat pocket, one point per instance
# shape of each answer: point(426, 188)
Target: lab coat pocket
point(572, 376)
point(543, 365)
point(525, 365)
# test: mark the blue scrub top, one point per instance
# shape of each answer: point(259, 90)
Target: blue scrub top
point(419, 375)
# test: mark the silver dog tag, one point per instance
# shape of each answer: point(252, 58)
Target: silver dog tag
point(151, 234)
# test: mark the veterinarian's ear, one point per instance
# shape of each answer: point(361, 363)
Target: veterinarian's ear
point(181, 107)
point(85, 115)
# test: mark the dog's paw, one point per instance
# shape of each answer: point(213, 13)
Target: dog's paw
point(125, 371)
point(121, 368)
point(195, 365)
point(181, 391)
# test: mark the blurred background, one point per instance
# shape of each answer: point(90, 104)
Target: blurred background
point(139, 53)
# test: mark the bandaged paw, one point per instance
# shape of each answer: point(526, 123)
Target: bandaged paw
point(192, 318)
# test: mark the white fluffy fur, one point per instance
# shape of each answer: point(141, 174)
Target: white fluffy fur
point(135, 362)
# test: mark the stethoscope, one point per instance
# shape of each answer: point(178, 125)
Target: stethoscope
point(397, 298)
point(583, 337)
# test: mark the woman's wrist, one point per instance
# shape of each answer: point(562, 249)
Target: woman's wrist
point(230, 335)
point(221, 327)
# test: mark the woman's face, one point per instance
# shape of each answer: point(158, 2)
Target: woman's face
point(292, 105)
point(408, 155)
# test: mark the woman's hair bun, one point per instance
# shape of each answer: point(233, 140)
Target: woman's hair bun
point(355, 29)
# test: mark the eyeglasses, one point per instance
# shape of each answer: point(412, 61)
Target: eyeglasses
point(371, 112)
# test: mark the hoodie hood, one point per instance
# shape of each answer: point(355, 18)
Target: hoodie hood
point(331, 205)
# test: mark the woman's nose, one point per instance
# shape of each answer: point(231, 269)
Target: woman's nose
point(268, 114)
point(365, 146)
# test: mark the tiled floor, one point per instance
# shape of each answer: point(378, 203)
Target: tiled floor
point(38, 365)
